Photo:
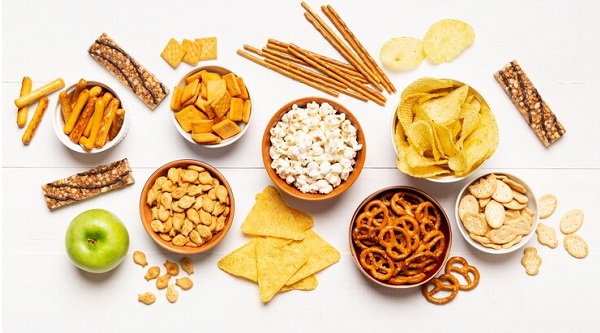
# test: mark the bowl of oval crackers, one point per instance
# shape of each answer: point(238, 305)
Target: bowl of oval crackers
point(313, 148)
point(211, 106)
point(497, 213)
point(90, 117)
point(443, 130)
point(187, 206)
point(400, 237)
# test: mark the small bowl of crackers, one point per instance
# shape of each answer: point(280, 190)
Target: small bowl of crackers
point(497, 213)
point(313, 149)
point(443, 130)
point(90, 117)
point(400, 237)
point(187, 206)
point(211, 107)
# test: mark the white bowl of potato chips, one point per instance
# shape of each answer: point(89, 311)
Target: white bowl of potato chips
point(95, 119)
point(443, 130)
point(496, 213)
point(211, 107)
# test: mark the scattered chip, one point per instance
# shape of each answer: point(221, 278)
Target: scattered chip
point(173, 53)
point(402, 53)
point(208, 47)
point(446, 39)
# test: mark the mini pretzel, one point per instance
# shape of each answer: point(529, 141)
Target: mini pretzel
point(377, 262)
point(465, 270)
point(444, 282)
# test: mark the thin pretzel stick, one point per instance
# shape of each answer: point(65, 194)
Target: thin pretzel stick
point(338, 44)
point(343, 67)
point(326, 68)
point(286, 55)
point(357, 46)
point(297, 69)
point(288, 74)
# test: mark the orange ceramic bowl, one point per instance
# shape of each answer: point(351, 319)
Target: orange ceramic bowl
point(389, 197)
point(292, 190)
point(146, 213)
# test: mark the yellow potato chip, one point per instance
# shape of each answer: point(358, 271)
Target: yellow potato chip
point(275, 265)
point(271, 216)
point(446, 39)
point(208, 47)
point(401, 53)
point(426, 85)
point(420, 136)
point(446, 109)
point(416, 160)
point(320, 255)
point(192, 52)
point(444, 140)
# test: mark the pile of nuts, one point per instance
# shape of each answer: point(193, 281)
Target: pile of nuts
point(162, 281)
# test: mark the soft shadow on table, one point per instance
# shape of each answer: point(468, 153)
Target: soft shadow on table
point(98, 278)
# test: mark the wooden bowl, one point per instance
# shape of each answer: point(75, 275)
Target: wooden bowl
point(444, 227)
point(59, 123)
point(146, 211)
point(291, 189)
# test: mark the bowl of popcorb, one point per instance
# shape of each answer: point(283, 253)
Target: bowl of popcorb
point(313, 149)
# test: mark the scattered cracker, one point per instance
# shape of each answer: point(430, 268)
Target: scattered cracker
point(192, 52)
point(546, 235)
point(547, 205)
point(208, 47)
point(173, 53)
point(576, 246)
point(571, 221)
point(531, 261)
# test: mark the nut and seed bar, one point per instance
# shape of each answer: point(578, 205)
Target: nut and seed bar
point(529, 103)
point(123, 66)
point(88, 184)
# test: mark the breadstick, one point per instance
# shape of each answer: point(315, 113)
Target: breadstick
point(65, 104)
point(83, 120)
point(117, 124)
point(106, 98)
point(35, 121)
point(81, 102)
point(95, 91)
point(81, 84)
point(22, 112)
point(107, 121)
point(39, 92)
point(358, 47)
point(96, 120)
point(316, 85)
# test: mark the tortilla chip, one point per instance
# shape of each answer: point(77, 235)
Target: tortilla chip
point(320, 255)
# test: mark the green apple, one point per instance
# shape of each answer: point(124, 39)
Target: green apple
point(97, 241)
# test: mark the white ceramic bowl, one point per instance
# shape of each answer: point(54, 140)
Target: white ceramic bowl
point(59, 124)
point(444, 178)
point(225, 142)
point(532, 204)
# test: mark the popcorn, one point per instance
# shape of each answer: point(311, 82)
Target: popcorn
point(314, 148)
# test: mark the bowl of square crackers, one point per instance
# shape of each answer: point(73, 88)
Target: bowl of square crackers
point(497, 213)
point(211, 106)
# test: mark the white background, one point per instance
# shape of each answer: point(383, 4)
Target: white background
point(556, 42)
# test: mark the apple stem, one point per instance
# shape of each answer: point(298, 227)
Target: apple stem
point(92, 242)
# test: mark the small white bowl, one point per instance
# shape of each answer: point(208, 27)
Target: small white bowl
point(59, 124)
point(532, 204)
point(225, 142)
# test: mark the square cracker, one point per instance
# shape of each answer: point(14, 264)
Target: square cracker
point(192, 52)
point(208, 47)
point(173, 53)
point(271, 216)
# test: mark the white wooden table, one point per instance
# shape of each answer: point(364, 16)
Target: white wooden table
point(556, 42)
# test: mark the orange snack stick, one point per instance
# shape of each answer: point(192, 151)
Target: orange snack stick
point(107, 120)
point(35, 121)
point(83, 120)
point(22, 112)
point(38, 93)
point(81, 102)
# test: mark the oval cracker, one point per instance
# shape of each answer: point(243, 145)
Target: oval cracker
point(576, 246)
point(468, 203)
point(547, 205)
point(503, 192)
point(571, 221)
point(494, 214)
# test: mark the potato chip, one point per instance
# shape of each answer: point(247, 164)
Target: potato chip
point(402, 53)
point(445, 110)
point(446, 39)
point(426, 85)
point(275, 265)
point(420, 136)
point(320, 255)
point(270, 216)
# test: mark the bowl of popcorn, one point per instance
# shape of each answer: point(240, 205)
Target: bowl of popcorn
point(313, 148)
point(211, 107)
point(187, 206)
point(443, 130)
point(400, 237)
point(496, 213)
point(90, 117)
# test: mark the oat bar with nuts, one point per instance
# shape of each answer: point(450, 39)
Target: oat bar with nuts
point(87, 184)
point(123, 66)
point(529, 103)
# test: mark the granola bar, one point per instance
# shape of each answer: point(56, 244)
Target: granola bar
point(123, 66)
point(88, 184)
point(529, 103)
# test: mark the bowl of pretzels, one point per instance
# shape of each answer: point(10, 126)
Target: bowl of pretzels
point(400, 237)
